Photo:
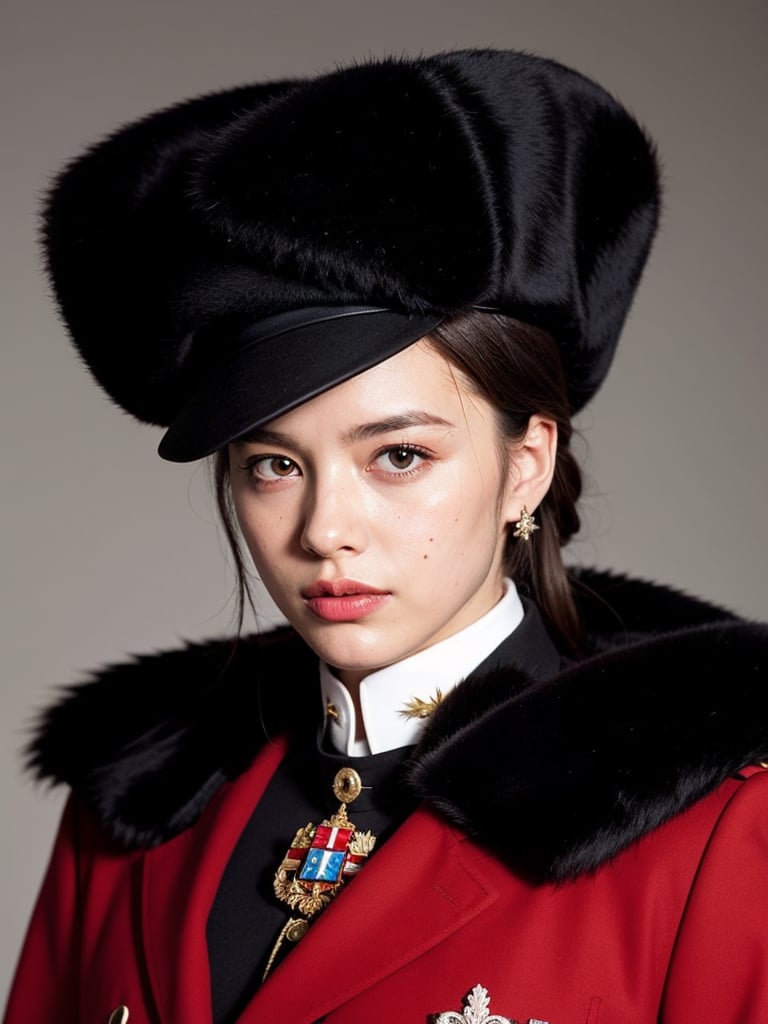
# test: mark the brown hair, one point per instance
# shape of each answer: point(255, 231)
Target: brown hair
point(517, 368)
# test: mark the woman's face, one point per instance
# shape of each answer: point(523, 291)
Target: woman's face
point(376, 513)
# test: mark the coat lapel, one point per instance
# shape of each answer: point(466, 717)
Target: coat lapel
point(179, 883)
point(371, 926)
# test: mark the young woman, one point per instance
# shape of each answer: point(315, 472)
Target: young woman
point(463, 784)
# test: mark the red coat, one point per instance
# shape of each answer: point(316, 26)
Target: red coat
point(635, 922)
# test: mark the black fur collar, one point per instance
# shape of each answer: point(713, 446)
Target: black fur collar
point(671, 700)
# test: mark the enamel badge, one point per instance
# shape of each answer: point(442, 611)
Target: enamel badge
point(319, 861)
point(322, 857)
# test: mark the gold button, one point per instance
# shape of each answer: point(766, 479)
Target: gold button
point(347, 785)
point(296, 930)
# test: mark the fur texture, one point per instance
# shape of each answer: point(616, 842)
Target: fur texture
point(478, 177)
point(670, 701)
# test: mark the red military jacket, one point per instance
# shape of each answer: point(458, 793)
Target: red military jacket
point(587, 850)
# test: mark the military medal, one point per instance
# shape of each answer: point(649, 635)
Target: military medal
point(320, 860)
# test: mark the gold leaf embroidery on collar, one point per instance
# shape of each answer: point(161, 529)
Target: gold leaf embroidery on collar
point(418, 708)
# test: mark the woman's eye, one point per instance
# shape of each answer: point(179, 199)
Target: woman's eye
point(272, 467)
point(401, 459)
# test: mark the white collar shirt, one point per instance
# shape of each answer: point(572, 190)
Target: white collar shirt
point(385, 695)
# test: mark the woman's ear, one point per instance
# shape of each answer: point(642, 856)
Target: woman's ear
point(531, 467)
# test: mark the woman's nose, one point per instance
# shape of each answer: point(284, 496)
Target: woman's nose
point(334, 521)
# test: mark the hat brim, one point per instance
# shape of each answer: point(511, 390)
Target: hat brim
point(277, 364)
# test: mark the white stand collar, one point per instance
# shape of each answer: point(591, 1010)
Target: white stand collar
point(386, 693)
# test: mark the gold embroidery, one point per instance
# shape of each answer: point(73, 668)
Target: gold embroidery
point(418, 708)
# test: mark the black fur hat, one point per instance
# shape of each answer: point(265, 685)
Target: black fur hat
point(221, 261)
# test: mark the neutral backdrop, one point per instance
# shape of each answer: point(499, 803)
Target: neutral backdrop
point(107, 550)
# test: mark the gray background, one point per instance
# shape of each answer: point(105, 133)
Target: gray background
point(106, 550)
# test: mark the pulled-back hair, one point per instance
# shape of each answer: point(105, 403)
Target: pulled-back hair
point(517, 369)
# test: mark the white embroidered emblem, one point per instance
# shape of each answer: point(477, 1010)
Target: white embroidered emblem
point(476, 1011)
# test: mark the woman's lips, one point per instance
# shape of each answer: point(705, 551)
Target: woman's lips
point(343, 600)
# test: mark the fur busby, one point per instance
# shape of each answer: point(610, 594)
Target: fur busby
point(403, 189)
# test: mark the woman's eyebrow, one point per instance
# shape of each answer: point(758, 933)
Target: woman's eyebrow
point(401, 421)
point(362, 432)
